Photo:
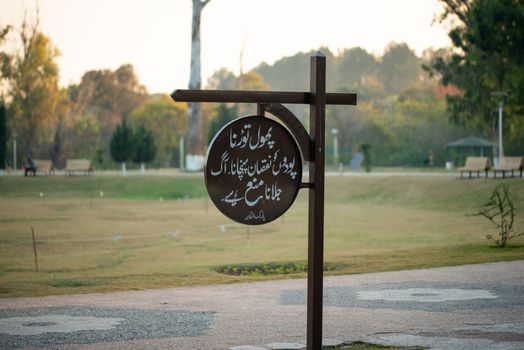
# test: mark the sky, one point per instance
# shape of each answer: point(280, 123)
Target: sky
point(154, 35)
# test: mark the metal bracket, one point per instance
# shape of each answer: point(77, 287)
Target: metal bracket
point(291, 121)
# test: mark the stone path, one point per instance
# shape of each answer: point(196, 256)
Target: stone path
point(464, 307)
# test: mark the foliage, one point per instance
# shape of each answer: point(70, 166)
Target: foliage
point(400, 68)
point(487, 56)
point(4, 56)
point(121, 146)
point(404, 130)
point(107, 96)
point(355, 68)
point(3, 136)
point(223, 115)
point(222, 79)
point(500, 211)
point(57, 147)
point(291, 73)
point(85, 128)
point(401, 109)
point(145, 148)
point(226, 80)
point(166, 120)
point(32, 85)
point(268, 269)
point(250, 81)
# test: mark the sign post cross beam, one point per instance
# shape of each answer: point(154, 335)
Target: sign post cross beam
point(312, 148)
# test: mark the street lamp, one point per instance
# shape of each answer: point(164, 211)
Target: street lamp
point(181, 151)
point(501, 95)
point(334, 132)
point(15, 135)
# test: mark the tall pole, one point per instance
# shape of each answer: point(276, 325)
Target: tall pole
point(14, 150)
point(195, 143)
point(316, 202)
point(334, 132)
point(501, 151)
point(181, 151)
point(501, 95)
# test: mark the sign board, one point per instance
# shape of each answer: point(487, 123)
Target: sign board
point(254, 167)
point(253, 170)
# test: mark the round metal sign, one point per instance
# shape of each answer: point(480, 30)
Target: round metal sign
point(253, 170)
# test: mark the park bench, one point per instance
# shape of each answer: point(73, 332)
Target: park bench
point(44, 166)
point(78, 165)
point(476, 164)
point(509, 164)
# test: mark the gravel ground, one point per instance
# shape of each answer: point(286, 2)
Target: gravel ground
point(463, 307)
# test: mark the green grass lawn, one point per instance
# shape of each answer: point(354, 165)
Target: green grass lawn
point(154, 232)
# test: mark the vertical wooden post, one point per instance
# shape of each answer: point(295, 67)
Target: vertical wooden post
point(316, 202)
point(34, 249)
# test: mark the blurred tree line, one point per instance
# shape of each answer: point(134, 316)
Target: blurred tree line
point(409, 106)
point(77, 121)
point(401, 109)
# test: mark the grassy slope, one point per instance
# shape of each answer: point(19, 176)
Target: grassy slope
point(131, 187)
point(130, 239)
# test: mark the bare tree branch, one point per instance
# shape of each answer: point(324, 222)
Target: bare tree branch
point(459, 8)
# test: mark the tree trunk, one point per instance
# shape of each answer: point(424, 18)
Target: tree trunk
point(142, 168)
point(124, 170)
point(58, 143)
point(195, 156)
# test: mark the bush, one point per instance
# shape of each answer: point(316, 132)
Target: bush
point(500, 210)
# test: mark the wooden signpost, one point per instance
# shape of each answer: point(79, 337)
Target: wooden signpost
point(254, 166)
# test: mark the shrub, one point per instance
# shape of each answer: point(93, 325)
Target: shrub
point(500, 210)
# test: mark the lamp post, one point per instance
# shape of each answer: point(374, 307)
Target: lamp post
point(181, 151)
point(334, 132)
point(15, 135)
point(501, 95)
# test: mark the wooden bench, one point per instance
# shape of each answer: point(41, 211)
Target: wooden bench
point(44, 166)
point(476, 164)
point(509, 164)
point(79, 165)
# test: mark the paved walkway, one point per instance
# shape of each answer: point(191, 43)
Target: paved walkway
point(464, 307)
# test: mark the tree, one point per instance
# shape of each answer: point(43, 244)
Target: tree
point(122, 146)
point(81, 138)
point(107, 96)
point(222, 79)
point(145, 148)
point(354, 67)
point(250, 81)
point(487, 56)
point(195, 158)
point(32, 84)
point(290, 73)
point(168, 123)
point(224, 115)
point(56, 147)
point(5, 58)
point(400, 68)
